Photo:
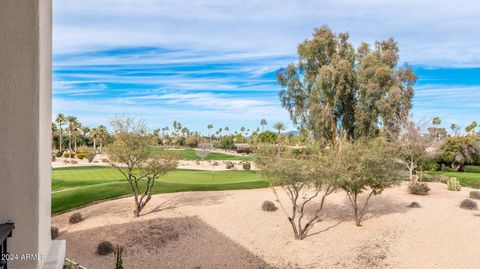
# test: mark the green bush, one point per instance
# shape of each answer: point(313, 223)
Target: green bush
point(453, 184)
point(469, 204)
point(104, 248)
point(475, 195)
point(472, 169)
point(59, 154)
point(75, 218)
point(227, 142)
point(268, 137)
point(418, 188)
point(82, 154)
point(448, 169)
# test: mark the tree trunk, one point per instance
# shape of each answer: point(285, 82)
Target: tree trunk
point(60, 146)
point(94, 146)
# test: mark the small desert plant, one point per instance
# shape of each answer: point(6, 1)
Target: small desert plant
point(81, 155)
point(75, 218)
point(59, 154)
point(475, 195)
point(418, 188)
point(453, 184)
point(104, 248)
point(414, 204)
point(229, 165)
point(69, 154)
point(469, 204)
point(215, 163)
point(246, 166)
point(73, 162)
point(105, 161)
point(118, 257)
point(90, 157)
point(54, 232)
point(269, 206)
point(54, 158)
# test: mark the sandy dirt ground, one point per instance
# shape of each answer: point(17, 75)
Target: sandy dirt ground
point(182, 164)
point(227, 229)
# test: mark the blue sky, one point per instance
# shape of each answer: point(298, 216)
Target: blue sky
point(202, 62)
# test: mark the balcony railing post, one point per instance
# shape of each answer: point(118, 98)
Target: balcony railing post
point(6, 230)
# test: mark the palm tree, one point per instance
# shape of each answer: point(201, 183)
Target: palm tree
point(279, 127)
point(85, 132)
point(210, 127)
point(60, 120)
point(263, 122)
point(102, 134)
point(226, 129)
point(94, 134)
point(54, 130)
point(72, 122)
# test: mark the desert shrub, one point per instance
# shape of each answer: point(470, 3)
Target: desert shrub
point(54, 232)
point(227, 142)
point(246, 166)
point(246, 149)
point(229, 164)
point(104, 160)
point(472, 169)
point(104, 248)
point(59, 154)
point(75, 218)
point(73, 162)
point(65, 161)
point(197, 162)
point(215, 163)
point(414, 204)
point(469, 204)
point(54, 158)
point(268, 206)
point(81, 155)
point(180, 141)
point(68, 154)
point(453, 184)
point(418, 188)
point(90, 157)
point(192, 141)
point(475, 195)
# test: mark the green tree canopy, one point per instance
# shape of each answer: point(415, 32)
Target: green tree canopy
point(336, 90)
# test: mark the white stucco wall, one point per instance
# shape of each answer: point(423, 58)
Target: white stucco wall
point(25, 115)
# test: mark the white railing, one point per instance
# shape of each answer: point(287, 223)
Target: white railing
point(69, 264)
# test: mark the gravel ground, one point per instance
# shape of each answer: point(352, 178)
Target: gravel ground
point(227, 229)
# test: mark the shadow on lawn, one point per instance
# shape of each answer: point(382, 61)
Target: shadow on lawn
point(185, 242)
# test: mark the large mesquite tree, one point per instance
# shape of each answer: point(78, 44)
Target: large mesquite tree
point(337, 91)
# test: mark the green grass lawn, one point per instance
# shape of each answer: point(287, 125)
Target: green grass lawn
point(79, 186)
point(466, 179)
point(190, 154)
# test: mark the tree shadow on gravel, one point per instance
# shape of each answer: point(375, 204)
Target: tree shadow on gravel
point(173, 243)
point(187, 199)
